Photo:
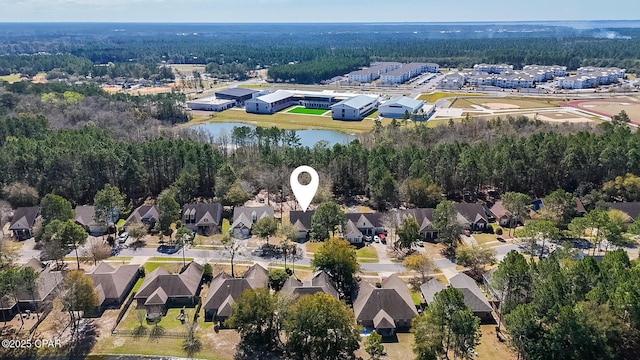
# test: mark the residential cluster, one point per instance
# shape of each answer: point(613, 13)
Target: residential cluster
point(503, 76)
point(391, 72)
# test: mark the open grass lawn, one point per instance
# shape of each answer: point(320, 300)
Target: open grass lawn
point(313, 247)
point(416, 297)
point(10, 78)
point(169, 266)
point(286, 121)
point(367, 253)
point(484, 239)
point(303, 110)
point(120, 258)
point(440, 95)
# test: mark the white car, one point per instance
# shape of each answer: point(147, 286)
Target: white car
point(376, 238)
point(123, 237)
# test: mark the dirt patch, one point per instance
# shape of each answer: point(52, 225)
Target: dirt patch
point(500, 106)
point(559, 117)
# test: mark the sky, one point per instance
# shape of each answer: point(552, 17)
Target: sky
point(313, 10)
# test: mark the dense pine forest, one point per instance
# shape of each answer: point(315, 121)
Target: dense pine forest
point(304, 53)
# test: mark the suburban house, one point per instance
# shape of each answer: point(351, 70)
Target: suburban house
point(424, 218)
point(384, 309)
point(203, 218)
point(502, 215)
point(472, 216)
point(301, 221)
point(474, 299)
point(321, 282)
point(145, 214)
point(45, 290)
point(113, 284)
point(244, 217)
point(162, 290)
point(226, 290)
point(85, 217)
point(24, 218)
point(369, 224)
point(632, 209)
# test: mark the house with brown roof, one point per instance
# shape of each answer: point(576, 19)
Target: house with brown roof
point(245, 216)
point(203, 218)
point(384, 309)
point(113, 284)
point(321, 282)
point(146, 214)
point(23, 221)
point(301, 221)
point(474, 298)
point(225, 290)
point(424, 218)
point(503, 216)
point(85, 217)
point(162, 290)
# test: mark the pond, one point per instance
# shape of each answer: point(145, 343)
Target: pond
point(307, 137)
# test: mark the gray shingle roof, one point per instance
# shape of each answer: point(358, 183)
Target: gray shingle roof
point(205, 213)
point(243, 215)
point(24, 218)
point(302, 219)
point(85, 215)
point(430, 289)
point(143, 213)
point(394, 298)
point(471, 212)
point(112, 281)
point(185, 284)
point(321, 282)
point(630, 208)
point(224, 286)
point(473, 296)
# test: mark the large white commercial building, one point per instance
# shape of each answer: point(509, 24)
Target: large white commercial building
point(396, 108)
point(211, 104)
point(355, 108)
point(269, 103)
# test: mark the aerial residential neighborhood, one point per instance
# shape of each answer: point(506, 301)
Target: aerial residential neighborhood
point(272, 180)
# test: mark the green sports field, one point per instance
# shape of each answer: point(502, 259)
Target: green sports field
point(302, 110)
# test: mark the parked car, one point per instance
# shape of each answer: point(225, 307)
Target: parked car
point(420, 243)
point(123, 237)
point(376, 238)
point(257, 252)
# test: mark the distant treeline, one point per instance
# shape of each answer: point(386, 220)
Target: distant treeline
point(317, 55)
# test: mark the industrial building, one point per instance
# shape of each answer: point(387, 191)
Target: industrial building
point(211, 104)
point(396, 108)
point(239, 95)
point(355, 108)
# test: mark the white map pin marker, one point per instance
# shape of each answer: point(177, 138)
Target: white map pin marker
point(304, 193)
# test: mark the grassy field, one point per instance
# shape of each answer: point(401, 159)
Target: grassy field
point(312, 247)
point(169, 266)
point(10, 78)
point(367, 253)
point(255, 86)
point(305, 111)
point(441, 95)
point(515, 103)
point(286, 121)
point(187, 69)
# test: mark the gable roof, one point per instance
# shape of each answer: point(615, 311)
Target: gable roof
point(365, 220)
point(24, 218)
point(184, 284)
point(630, 208)
point(85, 215)
point(301, 220)
point(352, 230)
point(471, 212)
point(144, 213)
point(394, 298)
point(356, 102)
point(243, 215)
point(430, 289)
point(499, 211)
point(205, 213)
point(112, 281)
point(46, 282)
point(405, 101)
point(321, 282)
point(423, 216)
point(473, 296)
point(224, 288)
point(36, 264)
point(382, 320)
